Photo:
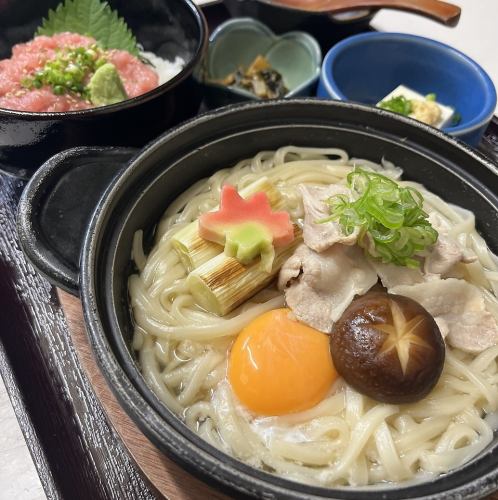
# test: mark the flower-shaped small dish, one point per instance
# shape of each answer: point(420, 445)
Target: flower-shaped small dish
point(235, 44)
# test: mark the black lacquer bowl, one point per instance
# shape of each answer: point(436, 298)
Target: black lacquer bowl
point(156, 175)
point(166, 27)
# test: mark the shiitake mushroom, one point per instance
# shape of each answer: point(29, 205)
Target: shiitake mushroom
point(388, 347)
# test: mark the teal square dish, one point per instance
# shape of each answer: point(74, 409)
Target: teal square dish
point(295, 55)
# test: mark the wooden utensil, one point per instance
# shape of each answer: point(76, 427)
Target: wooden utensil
point(442, 12)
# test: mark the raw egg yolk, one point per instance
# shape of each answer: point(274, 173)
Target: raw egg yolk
point(278, 365)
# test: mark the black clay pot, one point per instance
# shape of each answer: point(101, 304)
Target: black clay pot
point(327, 29)
point(136, 199)
point(167, 28)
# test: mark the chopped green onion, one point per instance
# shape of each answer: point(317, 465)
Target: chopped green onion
point(431, 96)
point(393, 226)
point(456, 118)
point(69, 71)
point(399, 104)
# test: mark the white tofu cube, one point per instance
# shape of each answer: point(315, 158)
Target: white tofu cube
point(446, 112)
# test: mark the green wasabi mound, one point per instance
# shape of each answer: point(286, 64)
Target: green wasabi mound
point(105, 86)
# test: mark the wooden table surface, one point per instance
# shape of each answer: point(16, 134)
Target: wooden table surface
point(75, 448)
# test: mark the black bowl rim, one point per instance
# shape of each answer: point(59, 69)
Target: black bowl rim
point(134, 101)
point(360, 18)
point(164, 428)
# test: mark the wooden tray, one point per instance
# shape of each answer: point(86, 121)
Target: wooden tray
point(168, 479)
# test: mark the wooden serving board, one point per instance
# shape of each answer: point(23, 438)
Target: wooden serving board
point(168, 479)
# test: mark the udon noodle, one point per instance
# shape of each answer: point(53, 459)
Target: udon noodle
point(347, 439)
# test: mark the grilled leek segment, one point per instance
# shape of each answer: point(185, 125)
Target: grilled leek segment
point(195, 251)
point(222, 283)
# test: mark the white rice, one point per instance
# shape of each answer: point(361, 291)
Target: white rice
point(164, 68)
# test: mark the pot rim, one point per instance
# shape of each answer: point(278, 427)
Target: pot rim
point(163, 427)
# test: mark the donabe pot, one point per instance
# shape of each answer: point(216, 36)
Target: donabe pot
point(156, 175)
point(170, 28)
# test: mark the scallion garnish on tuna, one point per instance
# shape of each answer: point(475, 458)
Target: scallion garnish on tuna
point(69, 71)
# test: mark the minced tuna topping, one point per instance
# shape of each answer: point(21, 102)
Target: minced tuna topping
point(52, 73)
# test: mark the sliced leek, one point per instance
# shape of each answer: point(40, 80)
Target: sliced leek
point(195, 251)
point(223, 283)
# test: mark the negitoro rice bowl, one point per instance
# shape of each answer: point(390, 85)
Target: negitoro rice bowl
point(118, 109)
point(61, 70)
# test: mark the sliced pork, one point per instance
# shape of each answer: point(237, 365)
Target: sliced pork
point(459, 309)
point(319, 286)
point(391, 275)
point(446, 252)
point(318, 236)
